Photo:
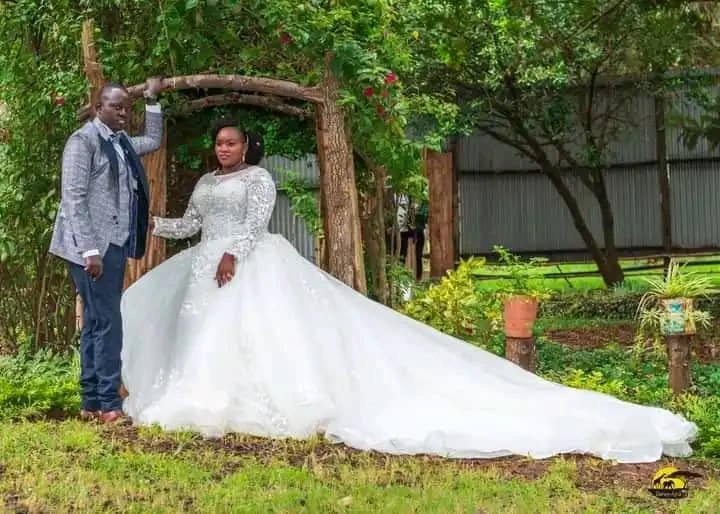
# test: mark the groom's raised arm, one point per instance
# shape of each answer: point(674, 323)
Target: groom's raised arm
point(152, 138)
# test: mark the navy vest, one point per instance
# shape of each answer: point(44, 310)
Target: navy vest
point(139, 199)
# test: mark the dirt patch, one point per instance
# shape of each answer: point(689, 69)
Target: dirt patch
point(14, 503)
point(706, 347)
point(594, 336)
point(591, 473)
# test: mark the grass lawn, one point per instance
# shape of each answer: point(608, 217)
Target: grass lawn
point(634, 280)
point(69, 466)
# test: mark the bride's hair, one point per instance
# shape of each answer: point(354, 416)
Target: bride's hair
point(254, 146)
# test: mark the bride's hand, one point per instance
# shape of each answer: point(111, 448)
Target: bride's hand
point(226, 270)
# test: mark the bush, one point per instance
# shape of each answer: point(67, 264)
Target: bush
point(456, 307)
point(606, 304)
point(39, 384)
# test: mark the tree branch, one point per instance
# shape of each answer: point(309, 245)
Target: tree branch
point(264, 85)
point(268, 86)
point(596, 19)
point(268, 102)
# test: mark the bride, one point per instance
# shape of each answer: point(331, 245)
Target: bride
point(242, 334)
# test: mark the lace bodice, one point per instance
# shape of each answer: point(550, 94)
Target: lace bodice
point(235, 206)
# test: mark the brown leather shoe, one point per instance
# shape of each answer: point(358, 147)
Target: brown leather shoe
point(90, 415)
point(114, 416)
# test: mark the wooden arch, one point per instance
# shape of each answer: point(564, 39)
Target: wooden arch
point(342, 256)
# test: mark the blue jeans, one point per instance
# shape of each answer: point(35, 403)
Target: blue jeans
point(101, 336)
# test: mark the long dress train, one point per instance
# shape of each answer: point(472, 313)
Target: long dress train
point(285, 350)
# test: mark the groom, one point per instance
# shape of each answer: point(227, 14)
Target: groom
point(103, 220)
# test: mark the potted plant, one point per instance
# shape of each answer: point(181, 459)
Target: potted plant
point(521, 298)
point(668, 307)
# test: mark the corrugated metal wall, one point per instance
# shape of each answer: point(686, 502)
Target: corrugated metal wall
point(504, 200)
point(283, 220)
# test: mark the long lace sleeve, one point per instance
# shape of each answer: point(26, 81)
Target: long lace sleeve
point(179, 228)
point(261, 202)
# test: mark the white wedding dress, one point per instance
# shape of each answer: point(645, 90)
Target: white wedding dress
point(285, 350)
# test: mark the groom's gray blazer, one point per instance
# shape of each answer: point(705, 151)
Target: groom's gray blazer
point(89, 207)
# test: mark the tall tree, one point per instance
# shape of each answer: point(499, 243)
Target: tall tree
point(541, 76)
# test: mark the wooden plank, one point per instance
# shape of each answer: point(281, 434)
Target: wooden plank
point(441, 183)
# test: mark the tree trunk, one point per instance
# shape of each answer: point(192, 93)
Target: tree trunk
point(610, 271)
point(374, 236)
point(341, 212)
point(679, 363)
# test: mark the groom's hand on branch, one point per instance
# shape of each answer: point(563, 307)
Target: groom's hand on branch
point(225, 270)
point(94, 266)
point(153, 86)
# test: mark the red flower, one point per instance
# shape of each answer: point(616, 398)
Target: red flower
point(369, 92)
point(385, 94)
point(391, 78)
point(381, 110)
point(58, 99)
point(286, 38)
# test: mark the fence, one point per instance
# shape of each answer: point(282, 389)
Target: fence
point(504, 199)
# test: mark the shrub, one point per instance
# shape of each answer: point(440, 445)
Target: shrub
point(455, 306)
point(38, 384)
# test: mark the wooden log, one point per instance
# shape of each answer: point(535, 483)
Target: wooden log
point(92, 66)
point(441, 178)
point(267, 102)
point(263, 85)
point(679, 376)
point(522, 352)
point(96, 79)
point(156, 170)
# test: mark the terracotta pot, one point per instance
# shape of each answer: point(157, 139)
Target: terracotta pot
point(520, 315)
point(676, 320)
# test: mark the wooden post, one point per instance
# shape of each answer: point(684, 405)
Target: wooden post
point(156, 170)
point(93, 68)
point(678, 347)
point(521, 352)
point(339, 198)
point(96, 79)
point(441, 185)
